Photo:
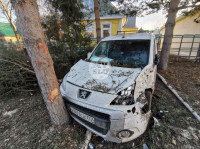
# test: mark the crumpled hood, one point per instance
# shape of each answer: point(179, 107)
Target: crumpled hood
point(118, 79)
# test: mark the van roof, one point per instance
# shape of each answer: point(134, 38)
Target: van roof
point(129, 36)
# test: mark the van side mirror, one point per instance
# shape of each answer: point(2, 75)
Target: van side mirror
point(157, 59)
point(89, 54)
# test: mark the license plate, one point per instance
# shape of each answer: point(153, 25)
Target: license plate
point(82, 115)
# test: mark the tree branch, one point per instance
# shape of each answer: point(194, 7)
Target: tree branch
point(184, 7)
point(17, 65)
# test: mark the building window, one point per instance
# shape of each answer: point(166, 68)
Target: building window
point(90, 30)
point(105, 29)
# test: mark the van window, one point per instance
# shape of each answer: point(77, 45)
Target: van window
point(133, 53)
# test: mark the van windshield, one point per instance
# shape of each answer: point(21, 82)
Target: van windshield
point(125, 53)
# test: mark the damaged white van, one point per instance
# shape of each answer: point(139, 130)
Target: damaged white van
point(110, 92)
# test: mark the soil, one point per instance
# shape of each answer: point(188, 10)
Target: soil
point(29, 126)
point(184, 77)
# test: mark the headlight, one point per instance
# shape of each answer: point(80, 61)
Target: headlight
point(125, 97)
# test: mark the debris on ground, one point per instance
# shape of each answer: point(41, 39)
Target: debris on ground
point(133, 145)
point(145, 146)
point(156, 122)
point(9, 113)
point(91, 146)
point(86, 143)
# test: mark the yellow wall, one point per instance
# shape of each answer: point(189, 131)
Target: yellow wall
point(183, 26)
point(8, 39)
point(130, 30)
point(123, 21)
point(186, 25)
point(114, 26)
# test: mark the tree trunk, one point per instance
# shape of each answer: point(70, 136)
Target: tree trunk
point(169, 27)
point(97, 20)
point(35, 43)
point(9, 17)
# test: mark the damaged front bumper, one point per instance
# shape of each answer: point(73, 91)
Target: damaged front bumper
point(112, 125)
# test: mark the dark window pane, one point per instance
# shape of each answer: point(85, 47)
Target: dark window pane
point(106, 33)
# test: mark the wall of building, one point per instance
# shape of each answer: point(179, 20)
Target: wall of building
point(187, 25)
point(130, 30)
point(8, 39)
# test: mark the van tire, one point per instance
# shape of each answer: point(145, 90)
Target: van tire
point(148, 95)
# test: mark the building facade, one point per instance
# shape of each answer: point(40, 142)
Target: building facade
point(186, 35)
point(6, 33)
point(110, 23)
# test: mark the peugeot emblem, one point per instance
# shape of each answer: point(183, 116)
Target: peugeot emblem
point(83, 94)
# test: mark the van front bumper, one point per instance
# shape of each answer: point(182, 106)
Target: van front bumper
point(107, 123)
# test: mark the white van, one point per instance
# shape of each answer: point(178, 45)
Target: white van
point(110, 92)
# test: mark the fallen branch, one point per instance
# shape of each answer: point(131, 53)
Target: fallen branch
point(88, 137)
point(177, 95)
point(17, 65)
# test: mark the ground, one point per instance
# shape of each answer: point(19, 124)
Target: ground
point(28, 125)
point(184, 77)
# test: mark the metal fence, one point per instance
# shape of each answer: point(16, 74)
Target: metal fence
point(184, 47)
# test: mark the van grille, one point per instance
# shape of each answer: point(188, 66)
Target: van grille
point(101, 120)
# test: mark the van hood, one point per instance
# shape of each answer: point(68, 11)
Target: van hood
point(118, 79)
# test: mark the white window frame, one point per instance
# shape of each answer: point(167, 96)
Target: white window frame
point(105, 23)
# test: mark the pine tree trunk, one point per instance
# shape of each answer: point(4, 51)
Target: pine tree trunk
point(35, 43)
point(169, 27)
point(97, 20)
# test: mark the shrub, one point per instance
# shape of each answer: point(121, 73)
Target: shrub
point(64, 57)
point(16, 72)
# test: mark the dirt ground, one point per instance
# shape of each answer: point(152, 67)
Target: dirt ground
point(184, 77)
point(26, 125)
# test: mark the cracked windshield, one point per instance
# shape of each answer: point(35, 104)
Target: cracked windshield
point(125, 53)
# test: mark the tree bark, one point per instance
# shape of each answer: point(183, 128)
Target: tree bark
point(169, 27)
point(97, 20)
point(35, 43)
point(9, 17)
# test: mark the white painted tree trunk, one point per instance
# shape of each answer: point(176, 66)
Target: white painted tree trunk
point(35, 43)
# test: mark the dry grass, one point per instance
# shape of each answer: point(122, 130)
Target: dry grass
point(185, 78)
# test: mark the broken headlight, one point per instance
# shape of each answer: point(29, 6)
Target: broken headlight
point(125, 97)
